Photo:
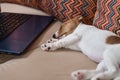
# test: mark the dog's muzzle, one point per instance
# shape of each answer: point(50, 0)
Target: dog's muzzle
point(54, 36)
point(58, 37)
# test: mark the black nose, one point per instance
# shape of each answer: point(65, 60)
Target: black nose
point(54, 36)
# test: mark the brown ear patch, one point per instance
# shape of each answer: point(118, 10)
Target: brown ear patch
point(113, 40)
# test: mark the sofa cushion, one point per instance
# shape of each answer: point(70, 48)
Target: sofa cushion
point(67, 9)
point(63, 9)
point(107, 15)
point(30, 3)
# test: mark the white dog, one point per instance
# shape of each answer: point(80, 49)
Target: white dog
point(99, 45)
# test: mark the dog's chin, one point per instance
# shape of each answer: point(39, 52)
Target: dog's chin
point(63, 36)
point(58, 37)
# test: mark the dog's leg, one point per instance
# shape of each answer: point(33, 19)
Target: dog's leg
point(88, 74)
point(111, 63)
point(117, 78)
point(68, 40)
point(101, 67)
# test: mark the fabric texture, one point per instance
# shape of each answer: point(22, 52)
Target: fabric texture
point(107, 15)
point(30, 3)
point(67, 9)
point(63, 9)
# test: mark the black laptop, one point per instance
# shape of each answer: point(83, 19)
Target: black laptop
point(18, 31)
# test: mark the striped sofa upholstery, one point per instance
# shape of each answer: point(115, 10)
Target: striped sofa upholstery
point(67, 9)
point(107, 15)
point(63, 9)
point(30, 3)
point(104, 14)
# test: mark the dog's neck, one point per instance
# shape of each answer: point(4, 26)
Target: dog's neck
point(82, 28)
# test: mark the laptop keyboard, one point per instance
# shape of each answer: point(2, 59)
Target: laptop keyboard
point(9, 22)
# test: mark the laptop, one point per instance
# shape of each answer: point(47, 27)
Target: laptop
point(23, 30)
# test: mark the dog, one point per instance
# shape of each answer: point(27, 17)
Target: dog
point(101, 46)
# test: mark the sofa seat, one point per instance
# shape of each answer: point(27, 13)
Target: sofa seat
point(36, 64)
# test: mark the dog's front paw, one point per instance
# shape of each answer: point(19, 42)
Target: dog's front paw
point(51, 40)
point(77, 75)
point(48, 47)
point(83, 74)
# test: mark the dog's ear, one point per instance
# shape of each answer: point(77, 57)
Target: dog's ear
point(80, 18)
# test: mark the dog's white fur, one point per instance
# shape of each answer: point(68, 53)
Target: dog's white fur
point(92, 42)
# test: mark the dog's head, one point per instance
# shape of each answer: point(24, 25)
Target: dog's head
point(68, 27)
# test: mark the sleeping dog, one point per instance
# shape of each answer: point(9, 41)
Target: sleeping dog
point(101, 46)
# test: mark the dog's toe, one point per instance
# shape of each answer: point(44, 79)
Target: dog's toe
point(77, 75)
point(43, 46)
point(47, 47)
point(51, 40)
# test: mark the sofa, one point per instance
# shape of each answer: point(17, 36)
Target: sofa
point(36, 64)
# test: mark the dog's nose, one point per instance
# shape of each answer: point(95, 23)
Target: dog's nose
point(54, 36)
